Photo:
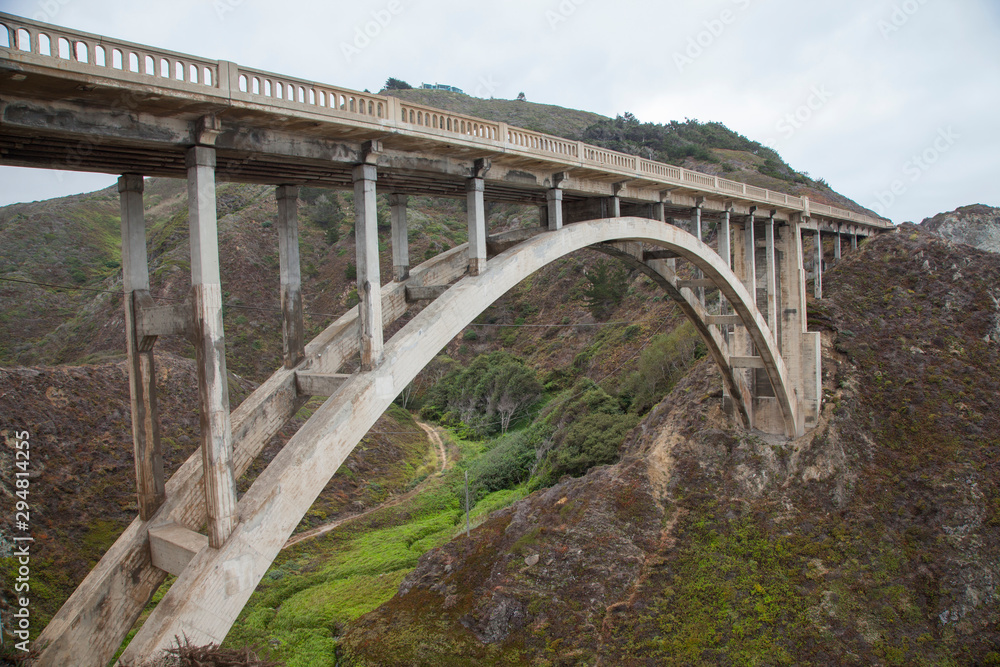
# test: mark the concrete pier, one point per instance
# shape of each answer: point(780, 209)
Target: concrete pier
point(210, 347)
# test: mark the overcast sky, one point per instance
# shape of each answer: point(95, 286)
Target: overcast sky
point(875, 96)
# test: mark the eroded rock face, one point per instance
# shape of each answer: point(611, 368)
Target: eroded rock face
point(978, 226)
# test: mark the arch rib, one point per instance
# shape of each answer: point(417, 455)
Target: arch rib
point(210, 593)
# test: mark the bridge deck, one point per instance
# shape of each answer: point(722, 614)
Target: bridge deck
point(78, 101)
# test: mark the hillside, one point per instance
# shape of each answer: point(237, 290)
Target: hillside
point(547, 118)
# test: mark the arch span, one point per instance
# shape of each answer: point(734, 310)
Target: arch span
point(210, 593)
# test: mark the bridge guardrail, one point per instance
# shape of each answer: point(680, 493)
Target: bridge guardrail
point(95, 55)
point(266, 88)
point(113, 58)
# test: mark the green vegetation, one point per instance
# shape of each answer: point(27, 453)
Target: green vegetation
point(608, 285)
point(396, 84)
point(677, 141)
point(486, 396)
point(315, 588)
point(587, 426)
point(730, 596)
point(662, 363)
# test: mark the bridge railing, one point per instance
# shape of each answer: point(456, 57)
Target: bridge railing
point(445, 122)
point(94, 55)
point(545, 143)
point(102, 56)
point(269, 89)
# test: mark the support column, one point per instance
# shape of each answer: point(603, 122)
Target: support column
point(836, 246)
point(793, 317)
point(554, 197)
point(772, 279)
point(854, 240)
point(750, 257)
point(740, 343)
point(400, 238)
point(292, 325)
point(696, 230)
point(724, 246)
point(141, 368)
point(818, 274)
point(616, 207)
point(213, 385)
point(475, 188)
point(369, 280)
point(659, 212)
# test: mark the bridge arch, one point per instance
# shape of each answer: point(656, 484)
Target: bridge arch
point(209, 594)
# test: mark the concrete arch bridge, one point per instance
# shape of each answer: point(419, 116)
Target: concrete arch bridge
point(72, 100)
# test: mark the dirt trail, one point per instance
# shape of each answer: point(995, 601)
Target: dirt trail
point(434, 437)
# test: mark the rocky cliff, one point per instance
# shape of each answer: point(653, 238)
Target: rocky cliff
point(978, 226)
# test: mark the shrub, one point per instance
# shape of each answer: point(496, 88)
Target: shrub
point(591, 441)
point(631, 331)
point(587, 426)
point(508, 463)
point(351, 271)
point(326, 212)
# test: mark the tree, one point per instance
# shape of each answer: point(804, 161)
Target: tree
point(396, 84)
point(509, 388)
point(485, 395)
point(607, 289)
point(521, 97)
point(326, 212)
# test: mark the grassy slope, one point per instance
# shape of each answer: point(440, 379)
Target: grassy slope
point(314, 589)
